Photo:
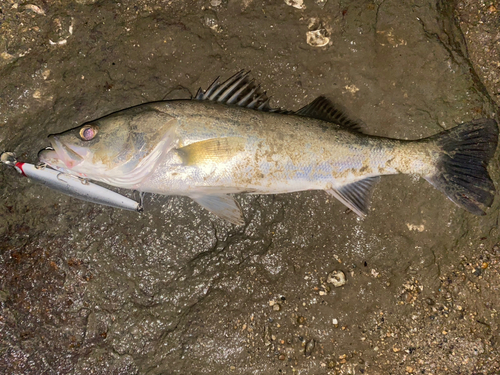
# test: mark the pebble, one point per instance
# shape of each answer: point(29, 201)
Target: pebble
point(309, 347)
point(210, 19)
point(317, 36)
point(337, 278)
point(35, 9)
point(7, 56)
point(321, 3)
point(299, 4)
point(46, 74)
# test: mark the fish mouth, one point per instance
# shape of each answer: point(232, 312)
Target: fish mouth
point(60, 155)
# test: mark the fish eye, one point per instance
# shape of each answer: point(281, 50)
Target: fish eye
point(88, 132)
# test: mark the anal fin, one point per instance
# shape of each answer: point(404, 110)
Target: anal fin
point(357, 195)
point(223, 206)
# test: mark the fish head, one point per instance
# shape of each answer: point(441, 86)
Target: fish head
point(117, 146)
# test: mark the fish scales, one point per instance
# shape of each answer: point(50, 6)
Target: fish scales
point(281, 153)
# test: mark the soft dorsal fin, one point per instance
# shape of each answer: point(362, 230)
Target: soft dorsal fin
point(238, 90)
point(323, 109)
point(357, 195)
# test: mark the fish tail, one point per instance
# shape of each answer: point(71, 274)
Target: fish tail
point(461, 172)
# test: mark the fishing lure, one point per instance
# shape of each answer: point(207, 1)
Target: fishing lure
point(71, 185)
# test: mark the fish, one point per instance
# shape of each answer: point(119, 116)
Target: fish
point(228, 140)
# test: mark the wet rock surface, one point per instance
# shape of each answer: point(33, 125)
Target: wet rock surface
point(85, 289)
point(479, 23)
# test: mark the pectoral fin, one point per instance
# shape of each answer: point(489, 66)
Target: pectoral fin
point(356, 196)
point(223, 206)
point(215, 150)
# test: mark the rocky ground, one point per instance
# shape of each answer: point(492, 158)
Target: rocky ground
point(86, 289)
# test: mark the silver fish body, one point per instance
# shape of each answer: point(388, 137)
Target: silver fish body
point(230, 141)
point(235, 150)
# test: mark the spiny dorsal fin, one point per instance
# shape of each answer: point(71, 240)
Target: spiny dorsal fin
point(323, 109)
point(356, 195)
point(238, 90)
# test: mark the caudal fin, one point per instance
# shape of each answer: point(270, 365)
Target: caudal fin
point(461, 167)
